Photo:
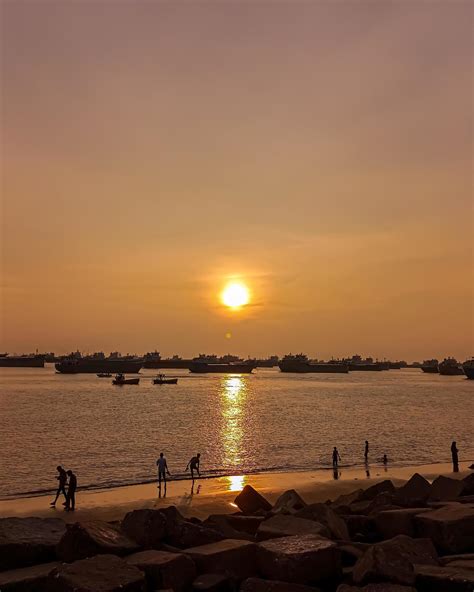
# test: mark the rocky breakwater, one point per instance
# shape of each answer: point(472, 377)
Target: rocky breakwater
point(418, 537)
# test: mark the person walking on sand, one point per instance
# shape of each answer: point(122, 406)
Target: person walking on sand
point(336, 457)
point(454, 455)
point(193, 464)
point(162, 469)
point(366, 452)
point(71, 492)
point(62, 479)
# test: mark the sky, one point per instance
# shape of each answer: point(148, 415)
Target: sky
point(320, 152)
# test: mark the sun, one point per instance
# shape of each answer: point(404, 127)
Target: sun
point(235, 295)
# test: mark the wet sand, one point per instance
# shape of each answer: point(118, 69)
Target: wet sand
point(211, 496)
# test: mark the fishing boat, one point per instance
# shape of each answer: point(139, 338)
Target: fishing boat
point(469, 368)
point(103, 375)
point(430, 366)
point(450, 367)
point(121, 380)
point(161, 379)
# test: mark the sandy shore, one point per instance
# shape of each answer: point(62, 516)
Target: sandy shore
point(209, 496)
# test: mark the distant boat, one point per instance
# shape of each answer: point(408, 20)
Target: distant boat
point(161, 379)
point(29, 361)
point(450, 367)
point(468, 368)
point(95, 365)
point(104, 375)
point(430, 366)
point(222, 368)
point(301, 364)
point(120, 380)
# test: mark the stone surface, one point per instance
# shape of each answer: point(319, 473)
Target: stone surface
point(373, 491)
point(286, 525)
point(26, 579)
point(250, 501)
point(415, 492)
point(211, 582)
point(259, 585)
point(248, 524)
point(450, 578)
point(360, 526)
point(451, 528)
point(391, 523)
point(222, 524)
point(164, 570)
point(232, 557)
point(468, 484)
point(378, 587)
point(342, 504)
point(188, 534)
point(289, 502)
point(445, 489)
point(146, 527)
point(325, 515)
point(85, 539)
point(26, 541)
point(393, 560)
point(102, 573)
point(382, 501)
point(446, 559)
point(351, 552)
point(303, 559)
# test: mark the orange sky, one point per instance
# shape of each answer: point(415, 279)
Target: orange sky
point(320, 151)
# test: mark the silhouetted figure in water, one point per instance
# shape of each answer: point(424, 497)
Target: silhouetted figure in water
point(385, 459)
point(335, 473)
point(71, 492)
point(162, 469)
point(366, 452)
point(454, 454)
point(193, 464)
point(336, 457)
point(62, 478)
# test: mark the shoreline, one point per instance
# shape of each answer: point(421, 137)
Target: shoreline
point(216, 494)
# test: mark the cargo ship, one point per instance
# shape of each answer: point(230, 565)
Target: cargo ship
point(154, 360)
point(450, 367)
point(98, 363)
point(468, 368)
point(430, 366)
point(301, 364)
point(356, 363)
point(27, 361)
point(199, 367)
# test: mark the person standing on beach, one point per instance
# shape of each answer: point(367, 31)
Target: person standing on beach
point(62, 478)
point(454, 455)
point(71, 492)
point(366, 452)
point(336, 457)
point(193, 464)
point(162, 469)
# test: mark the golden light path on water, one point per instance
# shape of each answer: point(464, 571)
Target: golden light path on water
point(233, 393)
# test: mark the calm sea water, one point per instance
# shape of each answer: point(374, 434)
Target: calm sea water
point(261, 422)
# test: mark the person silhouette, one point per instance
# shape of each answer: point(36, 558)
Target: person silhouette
point(366, 452)
point(162, 469)
point(454, 455)
point(71, 492)
point(62, 478)
point(193, 464)
point(336, 457)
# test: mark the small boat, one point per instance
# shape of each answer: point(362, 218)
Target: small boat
point(121, 380)
point(161, 379)
point(103, 375)
point(469, 368)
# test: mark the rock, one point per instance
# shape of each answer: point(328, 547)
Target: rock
point(382, 501)
point(85, 539)
point(391, 523)
point(221, 523)
point(380, 587)
point(393, 560)
point(26, 579)
point(415, 492)
point(188, 534)
point(248, 524)
point(289, 502)
point(446, 559)
point(323, 514)
point(286, 525)
point(26, 541)
point(342, 504)
point(451, 528)
point(351, 552)
point(372, 492)
point(250, 501)
point(149, 528)
point(259, 585)
point(303, 559)
point(360, 526)
point(450, 578)
point(163, 570)
point(445, 489)
point(235, 558)
point(102, 573)
point(211, 582)
point(468, 482)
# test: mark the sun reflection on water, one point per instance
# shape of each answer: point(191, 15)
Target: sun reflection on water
point(233, 393)
point(236, 482)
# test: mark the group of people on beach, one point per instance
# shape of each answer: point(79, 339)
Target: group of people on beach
point(162, 465)
point(336, 457)
point(66, 478)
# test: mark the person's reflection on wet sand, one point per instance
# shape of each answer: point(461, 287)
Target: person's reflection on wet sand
point(335, 473)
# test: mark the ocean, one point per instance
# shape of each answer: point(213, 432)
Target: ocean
point(267, 421)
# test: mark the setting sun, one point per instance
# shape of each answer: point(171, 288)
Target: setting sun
point(235, 295)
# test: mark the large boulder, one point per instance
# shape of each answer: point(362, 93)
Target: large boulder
point(251, 502)
point(146, 527)
point(360, 527)
point(102, 573)
point(221, 524)
point(173, 571)
point(323, 514)
point(393, 560)
point(247, 524)
point(449, 578)
point(342, 504)
point(188, 534)
point(445, 489)
point(373, 491)
point(379, 587)
point(259, 585)
point(286, 525)
point(351, 552)
point(26, 541)
point(391, 523)
point(85, 539)
point(303, 559)
point(450, 527)
point(212, 582)
point(26, 579)
point(289, 502)
point(414, 493)
point(235, 558)
point(468, 485)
